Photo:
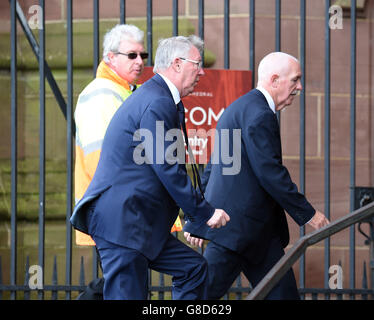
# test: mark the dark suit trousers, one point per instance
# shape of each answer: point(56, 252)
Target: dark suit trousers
point(225, 265)
point(126, 271)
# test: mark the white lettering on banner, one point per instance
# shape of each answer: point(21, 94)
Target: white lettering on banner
point(200, 116)
point(197, 123)
point(202, 94)
point(198, 142)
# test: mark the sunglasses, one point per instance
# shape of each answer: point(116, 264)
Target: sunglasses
point(134, 55)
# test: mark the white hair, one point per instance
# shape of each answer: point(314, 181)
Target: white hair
point(175, 47)
point(121, 32)
point(274, 62)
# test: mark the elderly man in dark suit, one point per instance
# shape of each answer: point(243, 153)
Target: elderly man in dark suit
point(258, 195)
point(141, 182)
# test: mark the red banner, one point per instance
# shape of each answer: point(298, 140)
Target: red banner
point(214, 92)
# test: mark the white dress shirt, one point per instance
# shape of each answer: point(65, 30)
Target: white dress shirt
point(268, 97)
point(173, 89)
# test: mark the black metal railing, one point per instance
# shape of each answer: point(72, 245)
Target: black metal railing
point(287, 261)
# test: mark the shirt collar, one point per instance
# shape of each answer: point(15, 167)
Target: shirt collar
point(173, 89)
point(268, 98)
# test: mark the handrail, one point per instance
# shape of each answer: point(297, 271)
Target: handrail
point(292, 255)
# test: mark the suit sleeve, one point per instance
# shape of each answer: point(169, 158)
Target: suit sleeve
point(167, 158)
point(263, 147)
point(206, 175)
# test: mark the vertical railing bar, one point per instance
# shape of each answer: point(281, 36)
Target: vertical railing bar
point(226, 18)
point(35, 48)
point(277, 25)
point(14, 163)
point(95, 262)
point(26, 293)
point(278, 36)
point(1, 278)
point(252, 40)
point(150, 284)
point(201, 23)
point(239, 286)
point(42, 145)
point(96, 35)
point(352, 258)
point(54, 279)
point(123, 11)
point(339, 296)
point(96, 48)
point(82, 278)
point(149, 32)
point(302, 132)
point(364, 296)
point(175, 18)
point(161, 294)
point(327, 139)
point(69, 143)
point(371, 257)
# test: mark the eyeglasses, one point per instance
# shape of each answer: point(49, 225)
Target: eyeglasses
point(199, 64)
point(134, 55)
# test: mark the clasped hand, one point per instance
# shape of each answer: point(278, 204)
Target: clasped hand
point(218, 220)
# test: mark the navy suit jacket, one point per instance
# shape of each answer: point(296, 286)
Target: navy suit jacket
point(135, 205)
point(257, 196)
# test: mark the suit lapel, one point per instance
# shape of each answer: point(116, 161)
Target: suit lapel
point(266, 105)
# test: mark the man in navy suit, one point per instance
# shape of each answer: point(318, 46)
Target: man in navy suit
point(141, 182)
point(258, 195)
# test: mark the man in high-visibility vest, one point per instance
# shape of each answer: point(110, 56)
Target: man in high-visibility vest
point(116, 77)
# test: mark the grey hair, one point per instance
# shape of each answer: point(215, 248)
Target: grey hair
point(175, 47)
point(121, 32)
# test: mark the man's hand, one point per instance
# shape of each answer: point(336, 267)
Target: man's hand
point(218, 219)
point(319, 220)
point(192, 240)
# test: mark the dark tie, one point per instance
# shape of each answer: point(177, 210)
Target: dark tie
point(195, 171)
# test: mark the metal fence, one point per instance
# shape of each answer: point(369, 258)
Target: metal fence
point(358, 196)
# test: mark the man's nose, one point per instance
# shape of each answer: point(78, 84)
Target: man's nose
point(201, 72)
point(299, 86)
point(139, 59)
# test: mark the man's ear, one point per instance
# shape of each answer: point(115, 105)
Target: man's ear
point(176, 65)
point(274, 80)
point(111, 56)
